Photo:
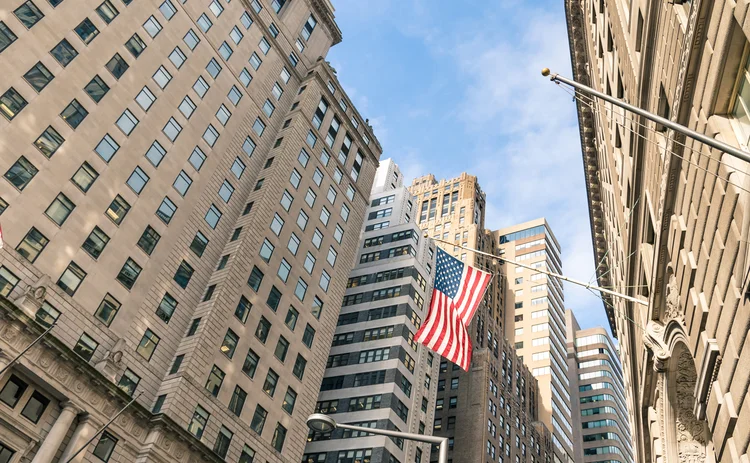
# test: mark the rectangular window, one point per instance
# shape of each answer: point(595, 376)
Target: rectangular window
point(117, 66)
point(71, 278)
point(127, 122)
point(60, 208)
point(183, 274)
point(210, 135)
point(255, 61)
point(152, 26)
point(7, 37)
point(162, 77)
point(166, 308)
point(172, 129)
point(129, 273)
point(95, 243)
point(167, 9)
point(264, 45)
point(259, 126)
point(32, 245)
point(246, 20)
point(198, 422)
point(105, 447)
point(155, 153)
point(229, 344)
point(11, 103)
point(245, 77)
point(223, 115)
point(148, 240)
point(259, 419)
point(251, 363)
point(199, 243)
point(117, 210)
point(197, 158)
point(86, 31)
point(38, 77)
point(238, 401)
point(49, 142)
point(255, 279)
point(96, 89)
point(135, 45)
point(213, 216)
point(64, 53)
point(234, 95)
point(28, 14)
point(191, 39)
point(148, 344)
point(166, 210)
point(21, 172)
point(137, 180)
point(107, 309)
point(85, 347)
point(74, 114)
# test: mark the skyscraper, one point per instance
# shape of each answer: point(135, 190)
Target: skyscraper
point(598, 397)
point(184, 188)
point(489, 412)
point(535, 322)
point(669, 215)
point(377, 375)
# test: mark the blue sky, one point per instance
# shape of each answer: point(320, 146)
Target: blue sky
point(452, 86)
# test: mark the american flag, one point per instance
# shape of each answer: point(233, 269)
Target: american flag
point(455, 297)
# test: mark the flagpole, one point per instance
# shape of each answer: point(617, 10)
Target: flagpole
point(15, 359)
point(730, 150)
point(548, 273)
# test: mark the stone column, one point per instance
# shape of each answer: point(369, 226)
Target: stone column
point(82, 433)
point(54, 438)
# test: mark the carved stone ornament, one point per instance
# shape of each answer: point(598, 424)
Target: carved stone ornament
point(673, 311)
point(653, 338)
point(690, 432)
point(110, 365)
point(33, 296)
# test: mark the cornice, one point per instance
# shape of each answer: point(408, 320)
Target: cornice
point(579, 58)
point(325, 14)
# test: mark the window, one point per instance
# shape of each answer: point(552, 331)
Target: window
point(107, 309)
point(266, 250)
point(86, 31)
point(166, 210)
point(259, 126)
point(274, 298)
point(176, 364)
point(229, 344)
point(145, 98)
point(105, 447)
point(198, 422)
point(268, 108)
point(226, 190)
point(293, 59)
point(60, 209)
point(302, 219)
point(293, 244)
point(162, 77)
point(177, 57)
point(137, 180)
point(246, 20)
point(237, 401)
point(238, 167)
point(299, 367)
point(183, 274)
point(301, 289)
point(300, 45)
point(255, 61)
point(226, 52)
point(21, 172)
point(129, 273)
point(317, 238)
point(215, 379)
point(127, 122)
point(243, 309)
point(194, 326)
point(191, 39)
point(234, 95)
point(223, 115)
point(325, 281)
point(277, 91)
point(152, 26)
point(294, 179)
point(64, 53)
point(311, 139)
point(286, 200)
point(245, 77)
point(32, 245)
point(49, 141)
point(255, 279)
point(197, 158)
point(324, 216)
point(216, 8)
point(264, 327)
point(155, 153)
point(74, 114)
point(47, 315)
point(279, 435)
point(129, 382)
point(166, 308)
point(38, 77)
point(7, 37)
point(310, 197)
point(28, 14)
point(84, 177)
point(236, 234)
point(345, 212)
point(264, 45)
point(251, 363)
point(259, 419)
point(201, 86)
point(282, 347)
point(135, 45)
point(148, 344)
point(95, 242)
point(167, 9)
point(210, 135)
point(317, 176)
point(117, 66)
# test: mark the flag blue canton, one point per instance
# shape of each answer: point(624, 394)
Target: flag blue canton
point(448, 273)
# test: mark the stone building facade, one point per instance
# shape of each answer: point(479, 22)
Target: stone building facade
point(670, 217)
point(377, 375)
point(598, 396)
point(490, 413)
point(184, 188)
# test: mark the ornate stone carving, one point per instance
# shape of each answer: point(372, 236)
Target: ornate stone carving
point(673, 311)
point(33, 297)
point(110, 365)
point(690, 432)
point(653, 338)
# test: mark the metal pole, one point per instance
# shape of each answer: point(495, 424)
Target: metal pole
point(730, 150)
point(15, 359)
point(442, 441)
point(101, 430)
point(548, 273)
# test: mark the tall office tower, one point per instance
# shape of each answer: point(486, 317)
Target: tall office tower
point(535, 322)
point(184, 187)
point(467, 402)
point(597, 395)
point(377, 375)
point(670, 217)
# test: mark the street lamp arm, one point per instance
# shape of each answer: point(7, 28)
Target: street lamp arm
point(398, 434)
